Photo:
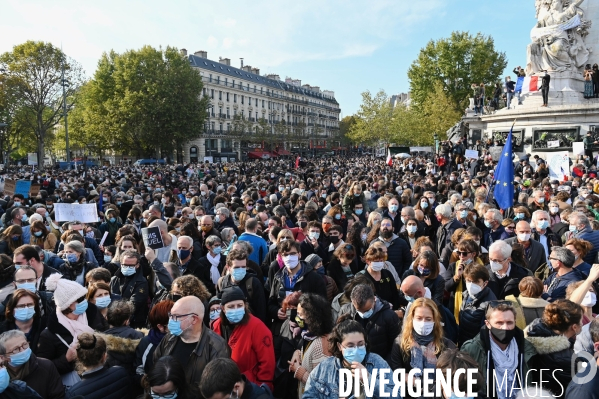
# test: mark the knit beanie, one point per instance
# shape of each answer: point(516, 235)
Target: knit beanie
point(313, 260)
point(233, 293)
point(65, 291)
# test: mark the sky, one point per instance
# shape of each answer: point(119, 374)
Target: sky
point(346, 46)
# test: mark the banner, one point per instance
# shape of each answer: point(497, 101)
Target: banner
point(84, 213)
point(554, 30)
point(152, 237)
point(559, 165)
point(23, 187)
point(578, 148)
point(472, 154)
point(553, 144)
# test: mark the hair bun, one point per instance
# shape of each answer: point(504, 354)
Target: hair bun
point(86, 343)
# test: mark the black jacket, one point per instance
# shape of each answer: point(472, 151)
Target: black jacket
point(508, 285)
point(335, 271)
point(52, 348)
point(535, 256)
point(17, 389)
point(308, 281)
point(436, 286)
point(44, 379)
point(201, 269)
point(34, 333)
point(445, 232)
point(381, 328)
point(398, 253)
point(134, 288)
point(105, 383)
point(69, 273)
point(256, 299)
point(472, 314)
point(228, 222)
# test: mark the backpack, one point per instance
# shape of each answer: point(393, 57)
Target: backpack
point(248, 286)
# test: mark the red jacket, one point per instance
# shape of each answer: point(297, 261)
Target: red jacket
point(252, 349)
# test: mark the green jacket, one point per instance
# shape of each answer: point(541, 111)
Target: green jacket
point(349, 201)
point(479, 348)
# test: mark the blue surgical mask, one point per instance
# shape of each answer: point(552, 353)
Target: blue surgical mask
point(411, 229)
point(543, 224)
point(463, 214)
point(356, 354)
point(573, 229)
point(107, 258)
point(175, 327)
point(25, 314)
point(393, 208)
point(37, 234)
point(359, 211)
point(314, 236)
point(103, 302)
point(338, 216)
point(20, 358)
point(27, 286)
point(488, 224)
point(217, 250)
point(423, 271)
point(409, 298)
point(72, 258)
point(235, 315)
point(156, 396)
point(127, 271)
point(24, 218)
point(367, 314)
point(214, 314)
point(520, 215)
point(4, 379)
point(80, 308)
point(424, 204)
point(112, 220)
point(238, 273)
point(403, 220)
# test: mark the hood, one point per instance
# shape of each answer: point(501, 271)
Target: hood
point(118, 344)
point(544, 339)
point(527, 302)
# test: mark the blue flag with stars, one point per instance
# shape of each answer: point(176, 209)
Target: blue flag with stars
point(504, 176)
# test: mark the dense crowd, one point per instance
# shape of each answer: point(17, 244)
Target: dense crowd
point(272, 277)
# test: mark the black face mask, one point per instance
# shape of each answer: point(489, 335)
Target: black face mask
point(503, 336)
point(303, 224)
point(334, 239)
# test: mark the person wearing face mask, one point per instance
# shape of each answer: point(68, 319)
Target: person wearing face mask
point(505, 275)
point(580, 227)
point(21, 364)
point(542, 233)
point(248, 337)
point(73, 316)
point(493, 228)
point(350, 350)
point(382, 278)
point(207, 268)
point(241, 276)
point(426, 267)
point(296, 275)
point(189, 340)
point(474, 300)
point(393, 212)
point(168, 379)
point(533, 250)
point(11, 239)
point(258, 243)
point(130, 283)
point(375, 315)
point(501, 348)
point(316, 262)
point(23, 313)
point(110, 225)
point(313, 243)
point(562, 262)
point(352, 198)
point(553, 337)
point(469, 253)
point(448, 225)
point(421, 341)
point(75, 266)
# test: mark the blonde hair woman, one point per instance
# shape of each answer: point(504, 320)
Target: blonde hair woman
point(421, 340)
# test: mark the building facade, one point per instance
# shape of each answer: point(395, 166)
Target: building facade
point(251, 115)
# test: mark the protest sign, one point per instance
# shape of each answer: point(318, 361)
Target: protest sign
point(9, 187)
point(472, 154)
point(553, 144)
point(495, 152)
point(85, 213)
point(559, 165)
point(22, 187)
point(578, 148)
point(152, 237)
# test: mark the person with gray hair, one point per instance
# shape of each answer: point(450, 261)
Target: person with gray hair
point(448, 226)
point(505, 275)
point(39, 374)
point(533, 250)
point(562, 262)
point(76, 265)
point(541, 231)
point(367, 309)
point(580, 227)
point(224, 220)
point(494, 229)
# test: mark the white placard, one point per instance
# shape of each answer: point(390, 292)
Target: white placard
point(104, 237)
point(32, 158)
point(553, 144)
point(472, 154)
point(559, 165)
point(578, 148)
point(85, 213)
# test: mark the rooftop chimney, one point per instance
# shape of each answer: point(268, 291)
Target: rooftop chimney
point(225, 61)
point(241, 63)
point(256, 71)
point(183, 51)
point(247, 68)
point(201, 53)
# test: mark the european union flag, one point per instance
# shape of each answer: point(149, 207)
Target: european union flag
point(504, 176)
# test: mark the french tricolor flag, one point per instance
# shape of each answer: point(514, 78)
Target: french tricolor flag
point(528, 84)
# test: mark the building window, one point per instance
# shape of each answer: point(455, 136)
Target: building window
point(226, 144)
point(228, 127)
point(204, 91)
point(210, 78)
point(263, 104)
point(193, 154)
point(242, 98)
point(256, 102)
point(218, 80)
point(226, 83)
point(234, 98)
point(220, 127)
point(220, 95)
point(212, 94)
point(254, 88)
point(227, 96)
point(213, 126)
point(228, 113)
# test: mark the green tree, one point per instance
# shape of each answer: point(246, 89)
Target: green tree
point(373, 120)
point(143, 100)
point(37, 68)
point(455, 63)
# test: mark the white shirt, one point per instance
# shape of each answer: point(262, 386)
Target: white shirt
point(163, 254)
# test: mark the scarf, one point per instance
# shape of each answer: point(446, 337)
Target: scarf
point(77, 267)
point(506, 363)
point(423, 352)
point(155, 336)
point(19, 372)
point(214, 261)
point(306, 336)
point(75, 327)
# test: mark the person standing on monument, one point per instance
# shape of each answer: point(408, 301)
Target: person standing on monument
point(509, 90)
point(545, 88)
point(588, 145)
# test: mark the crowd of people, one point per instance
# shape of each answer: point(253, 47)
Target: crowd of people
point(272, 277)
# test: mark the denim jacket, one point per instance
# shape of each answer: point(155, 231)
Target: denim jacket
point(323, 382)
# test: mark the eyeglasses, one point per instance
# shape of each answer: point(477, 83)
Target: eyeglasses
point(179, 317)
point(463, 253)
point(25, 306)
point(171, 395)
point(18, 349)
point(497, 261)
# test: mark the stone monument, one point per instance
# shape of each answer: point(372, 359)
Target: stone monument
point(563, 41)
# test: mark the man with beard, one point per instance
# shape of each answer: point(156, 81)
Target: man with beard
point(398, 251)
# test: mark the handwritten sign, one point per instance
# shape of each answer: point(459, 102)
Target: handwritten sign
point(9, 187)
point(559, 165)
point(473, 154)
point(578, 148)
point(152, 237)
point(24, 187)
point(85, 213)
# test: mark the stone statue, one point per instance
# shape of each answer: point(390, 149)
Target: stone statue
point(558, 38)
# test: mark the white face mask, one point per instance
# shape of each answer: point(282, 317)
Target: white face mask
point(291, 261)
point(590, 299)
point(473, 289)
point(496, 266)
point(423, 327)
point(523, 237)
point(377, 266)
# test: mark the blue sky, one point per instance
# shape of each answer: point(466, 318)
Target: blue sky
point(345, 46)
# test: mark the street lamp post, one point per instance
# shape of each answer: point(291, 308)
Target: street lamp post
point(436, 138)
point(64, 110)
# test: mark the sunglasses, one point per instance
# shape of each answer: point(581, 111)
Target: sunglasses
point(463, 253)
